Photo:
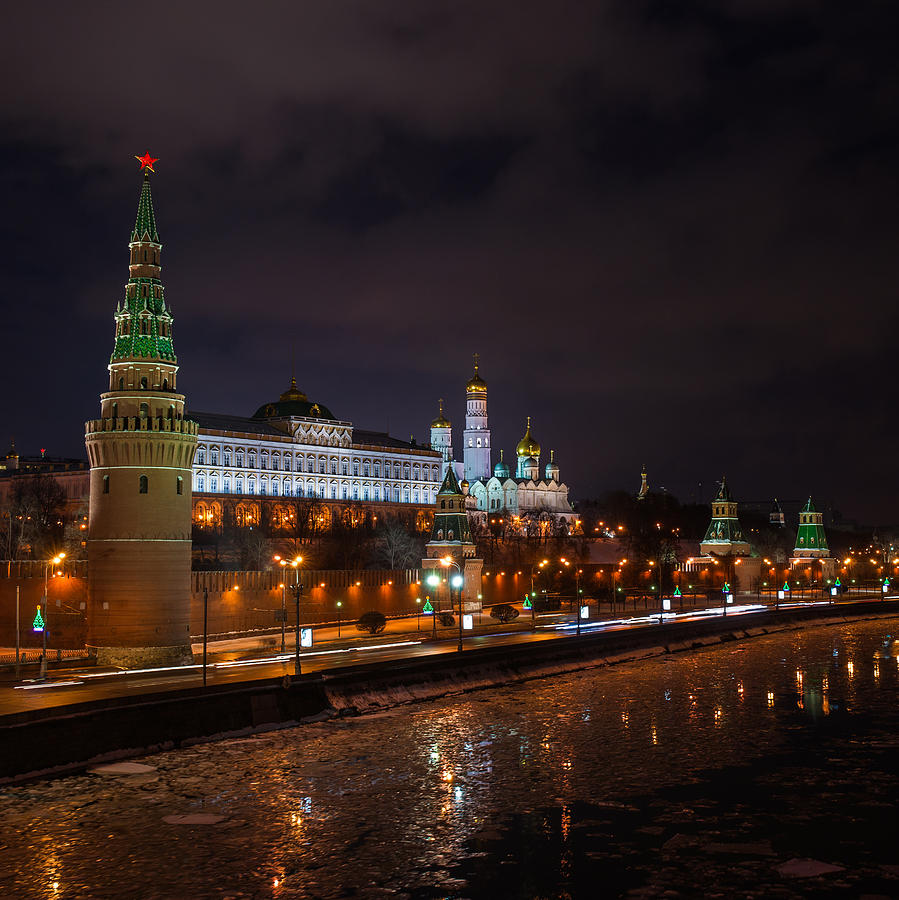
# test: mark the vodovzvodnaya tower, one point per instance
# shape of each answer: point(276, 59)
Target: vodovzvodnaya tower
point(140, 452)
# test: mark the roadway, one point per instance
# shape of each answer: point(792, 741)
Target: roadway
point(247, 659)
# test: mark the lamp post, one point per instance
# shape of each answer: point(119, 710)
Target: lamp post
point(55, 562)
point(283, 564)
point(457, 582)
point(339, 604)
point(433, 580)
point(297, 592)
point(205, 629)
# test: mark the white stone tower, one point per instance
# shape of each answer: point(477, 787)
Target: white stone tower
point(442, 438)
point(476, 437)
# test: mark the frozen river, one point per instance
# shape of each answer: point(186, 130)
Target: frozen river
point(765, 767)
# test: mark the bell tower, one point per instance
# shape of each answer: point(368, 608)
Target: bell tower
point(140, 452)
point(476, 437)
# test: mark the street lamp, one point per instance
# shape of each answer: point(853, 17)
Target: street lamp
point(433, 580)
point(297, 592)
point(455, 581)
point(55, 562)
point(339, 604)
point(283, 564)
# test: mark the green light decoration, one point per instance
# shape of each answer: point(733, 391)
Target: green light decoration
point(838, 583)
point(38, 623)
point(786, 585)
point(726, 588)
point(527, 603)
point(427, 608)
point(886, 582)
point(677, 592)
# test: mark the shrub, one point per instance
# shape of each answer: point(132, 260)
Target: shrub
point(373, 622)
point(504, 613)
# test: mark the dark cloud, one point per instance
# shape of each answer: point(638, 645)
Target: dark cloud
point(668, 228)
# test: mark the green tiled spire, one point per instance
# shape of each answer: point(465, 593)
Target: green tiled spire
point(143, 322)
point(145, 224)
point(810, 537)
point(450, 518)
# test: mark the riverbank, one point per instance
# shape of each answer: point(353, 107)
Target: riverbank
point(50, 741)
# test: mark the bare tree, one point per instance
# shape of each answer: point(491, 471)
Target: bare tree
point(396, 547)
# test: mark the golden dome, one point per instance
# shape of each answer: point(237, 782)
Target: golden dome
point(476, 384)
point(527, 446)
point(293, 393)
point(441, 421)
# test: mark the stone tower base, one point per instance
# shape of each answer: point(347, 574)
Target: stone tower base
point(144, 657)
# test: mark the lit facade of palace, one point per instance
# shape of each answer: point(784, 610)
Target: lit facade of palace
point(293, 448)
point(534, 500)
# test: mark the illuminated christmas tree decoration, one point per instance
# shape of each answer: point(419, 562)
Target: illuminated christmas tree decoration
point(726, 588)
point(677, 592)
point(527, 603)
point(427, 608)
point(38, 623)
point(838, 583)
point(786, 586)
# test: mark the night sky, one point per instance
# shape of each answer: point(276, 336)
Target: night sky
point(669, 229)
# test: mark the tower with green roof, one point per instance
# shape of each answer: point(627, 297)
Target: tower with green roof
point(141, 451)
point(810, 538)
point(724, 536)
point(451, 540)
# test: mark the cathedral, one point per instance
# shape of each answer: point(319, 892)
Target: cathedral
point(535, 501)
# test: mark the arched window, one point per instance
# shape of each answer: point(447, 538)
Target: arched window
point(121, 384)
point(179, 485)
point(228, 456)
point(355, 466)
point(377, 468)
point(115, 410)
point(201, 456)
point(214, 455)
point(213, 483)
point(443, 504)
point(439, 534)
point(144, 485)
point(105, 484)
point(143, 383)
point(144, 410)
point(240, 459)
point(377, 492)
point(239, 485)
point(201, 483)
point(449, 535)
point(165, 384)
point(226, 484)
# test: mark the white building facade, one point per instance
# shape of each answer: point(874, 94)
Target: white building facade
point(294, 448)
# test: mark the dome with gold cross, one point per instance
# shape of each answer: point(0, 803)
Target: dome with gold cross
point(476, 384)
point(441, 421)
point(527, 446)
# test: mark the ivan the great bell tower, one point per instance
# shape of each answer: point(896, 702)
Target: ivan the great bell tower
point(140, 452)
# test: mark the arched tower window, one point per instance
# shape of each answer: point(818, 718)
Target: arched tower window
point(115, 410)
point(105, 484)
point(143, 383)
point(179, 485)
point(165, 384)
point(121, 384)
point(144, 410)
point(144, 487)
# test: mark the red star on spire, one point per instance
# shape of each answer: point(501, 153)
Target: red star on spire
point(146, 161)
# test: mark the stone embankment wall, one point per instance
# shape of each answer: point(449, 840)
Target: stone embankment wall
point(48, 740)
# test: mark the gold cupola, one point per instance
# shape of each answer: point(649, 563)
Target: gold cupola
point(441, 421)
point(527, 446)
point(476, 384)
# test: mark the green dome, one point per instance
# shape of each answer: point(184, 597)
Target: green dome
point(501, 469)
point(293, 402)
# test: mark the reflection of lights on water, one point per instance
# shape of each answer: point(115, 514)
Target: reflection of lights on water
point(625, 718)
point(457, 793)
point(566, 764)
point(276, 882)
point(566, 822)
point(667, 694)
point(770, 699)
point(799, 679)
point(435, 755)
point(718, 714)
point(740, 689)
point(655, 735)
point(850, 668)
point(877, 671)
point(446, 775)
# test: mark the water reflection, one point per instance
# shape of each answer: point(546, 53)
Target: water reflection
point(399, 798)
